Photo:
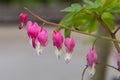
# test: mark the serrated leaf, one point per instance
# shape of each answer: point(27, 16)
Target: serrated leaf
point(67, 33)
point(108, 18)
point(73, 8)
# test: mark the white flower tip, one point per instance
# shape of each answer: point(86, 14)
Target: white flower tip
point(39, 50)
point(58, 53)
point(30, 41)
point(67, 57)
point(91, 71)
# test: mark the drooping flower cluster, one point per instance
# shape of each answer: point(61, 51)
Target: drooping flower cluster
point(38, 38)
point(91, 61)
point(58, 42)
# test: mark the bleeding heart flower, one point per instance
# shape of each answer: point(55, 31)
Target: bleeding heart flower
point(57, 38)
point(32, 31)
point(69, 44)
point(23, 17)
point(91, 61)
point(118, 60)
point(41, 40)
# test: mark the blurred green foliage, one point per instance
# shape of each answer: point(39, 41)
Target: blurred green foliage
point(86, 17)
point(38, 1)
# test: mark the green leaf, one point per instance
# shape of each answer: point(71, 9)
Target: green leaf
point(67, 20)
point(67, 33)
point(90, 25)
point(91, 4)
point(114, 9)
point(73, 8)
point(108, 19)
point(109, 3)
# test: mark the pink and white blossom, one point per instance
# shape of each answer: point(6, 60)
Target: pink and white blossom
point(42, 40)
point(32, 31)
point(57, 38)
point(69, 44)
point(91, 61)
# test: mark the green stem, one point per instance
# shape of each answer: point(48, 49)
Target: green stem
point(65, 27)
point(111, 34)
point(116, 30)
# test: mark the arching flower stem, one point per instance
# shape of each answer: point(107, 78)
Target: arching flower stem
point(65, 27)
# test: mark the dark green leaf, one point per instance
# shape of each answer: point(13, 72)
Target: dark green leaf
point(90, 25)
point(67, 33)
point(108, 19)
point(73, 8)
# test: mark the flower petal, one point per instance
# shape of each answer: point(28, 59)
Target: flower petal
point(67, 57)
point(30, 41)
point(91, 70)
point(58, 53)
point(39, 48)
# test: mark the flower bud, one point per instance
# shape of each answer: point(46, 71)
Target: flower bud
point(91, 61)
point(69, 44)
point(57, 38)
point(91, 57)
point(23, 17)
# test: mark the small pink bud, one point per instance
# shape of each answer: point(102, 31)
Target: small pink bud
point(23, 17)
point(69, 44)
point(118, 60)
point(57, 38)
point(91, 57)
point(32, 31)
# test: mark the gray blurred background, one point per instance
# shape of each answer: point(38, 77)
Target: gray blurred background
point(19, 61)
